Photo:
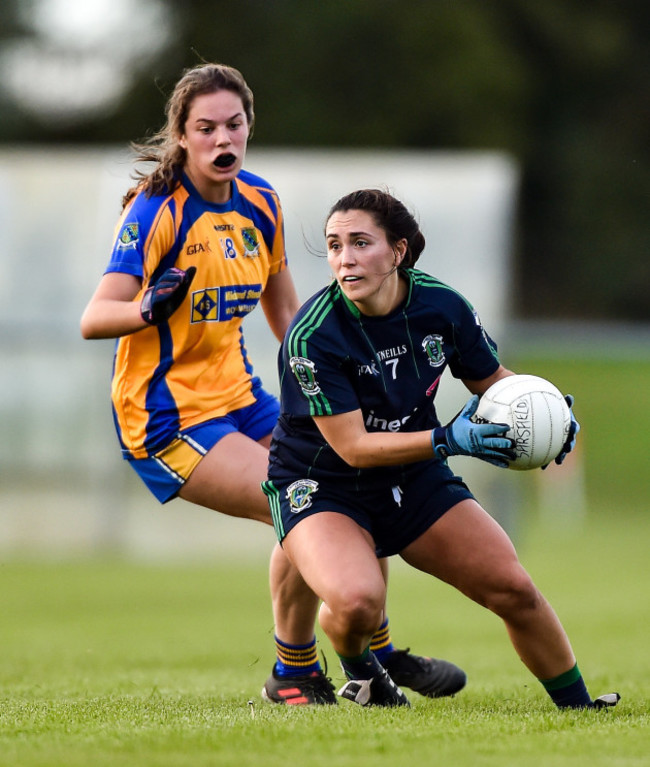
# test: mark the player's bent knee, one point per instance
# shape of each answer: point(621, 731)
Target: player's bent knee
point(359, 612)
point(513, 597)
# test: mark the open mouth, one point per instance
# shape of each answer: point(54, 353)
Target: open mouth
point(224, 160)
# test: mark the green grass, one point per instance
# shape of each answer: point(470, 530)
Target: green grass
point(115, 663)
point(107, 662)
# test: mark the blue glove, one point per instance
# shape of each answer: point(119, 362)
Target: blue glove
point(571, 436)
point(162, 299)
point(481, 440)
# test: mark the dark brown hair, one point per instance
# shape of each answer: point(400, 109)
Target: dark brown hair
point(163, 148)
point(391, 215)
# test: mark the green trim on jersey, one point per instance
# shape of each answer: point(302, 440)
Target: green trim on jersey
point(299, 336)
point(427, 281)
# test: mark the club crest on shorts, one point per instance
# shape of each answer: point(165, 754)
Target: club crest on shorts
point(304, 370)
point(432, 345)
point(299, 494)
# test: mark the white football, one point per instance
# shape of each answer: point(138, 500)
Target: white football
point(537, 414)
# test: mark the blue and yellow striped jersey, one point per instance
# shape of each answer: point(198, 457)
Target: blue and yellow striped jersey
point(195, 366)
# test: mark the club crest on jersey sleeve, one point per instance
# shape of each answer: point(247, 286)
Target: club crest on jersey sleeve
point(305, 372)
point(299, 494)
point(129, 236)
point(432, 345)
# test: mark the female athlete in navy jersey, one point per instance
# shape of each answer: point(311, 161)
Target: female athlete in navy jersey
point(200, 242)
point(358, 458)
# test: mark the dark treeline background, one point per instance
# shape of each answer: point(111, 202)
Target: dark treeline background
point(561, 85)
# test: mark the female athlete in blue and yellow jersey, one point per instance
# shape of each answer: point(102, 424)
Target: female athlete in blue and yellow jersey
point(358, 458)
point(199, 244)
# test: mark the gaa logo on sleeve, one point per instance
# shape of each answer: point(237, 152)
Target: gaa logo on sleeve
point(304, 370)
point(299, 494)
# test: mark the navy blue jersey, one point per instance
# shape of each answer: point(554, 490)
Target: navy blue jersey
point(335, 360)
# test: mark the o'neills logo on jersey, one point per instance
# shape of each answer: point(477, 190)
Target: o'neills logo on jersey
point(394, 351)
point(432, 345)
point(305, 371)
point(299, 494)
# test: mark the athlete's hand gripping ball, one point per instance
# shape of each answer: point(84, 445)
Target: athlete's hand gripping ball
point(462, 436)
point(571, 436)
point(162, 299)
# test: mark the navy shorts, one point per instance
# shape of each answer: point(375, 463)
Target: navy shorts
point(165, 472)
point(395, 515)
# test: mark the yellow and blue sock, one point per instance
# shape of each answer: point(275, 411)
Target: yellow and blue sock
point(568, 690)
point(296, 659)
point(381, 644)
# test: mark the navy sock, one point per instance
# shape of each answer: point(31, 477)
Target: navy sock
point(363, 666)
point(568, 690)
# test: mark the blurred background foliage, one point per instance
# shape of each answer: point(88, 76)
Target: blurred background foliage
point(561, 85)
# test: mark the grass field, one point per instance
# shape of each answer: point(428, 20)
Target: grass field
point(114, 663)
point(109, 662)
